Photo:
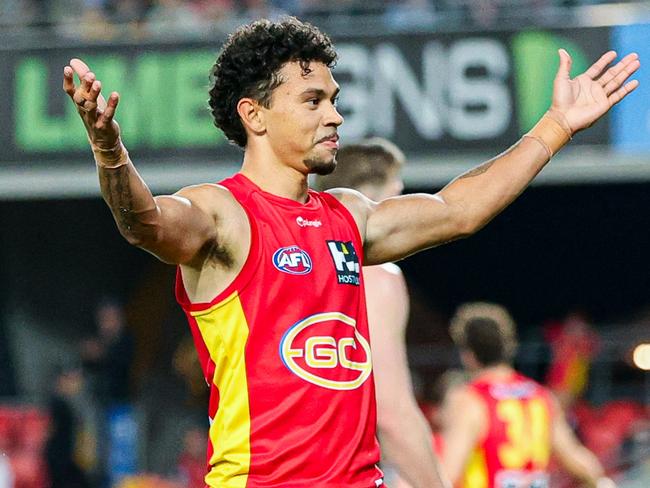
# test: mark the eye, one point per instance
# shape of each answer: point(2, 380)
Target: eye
point(313, 101)
point(335, 101)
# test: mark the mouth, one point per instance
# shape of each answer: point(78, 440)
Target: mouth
point(331, 141)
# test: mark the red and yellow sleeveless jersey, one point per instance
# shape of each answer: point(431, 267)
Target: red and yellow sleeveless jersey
point(516, 449)
point(286, 353)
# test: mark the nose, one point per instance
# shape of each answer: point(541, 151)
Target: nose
point(333, 117)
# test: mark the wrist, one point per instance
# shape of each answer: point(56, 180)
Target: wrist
point(605, 482)
point(552, 131)
point(110, 158)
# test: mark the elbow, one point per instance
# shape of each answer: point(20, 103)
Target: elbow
point(464, 226)
point(133, 238)
point(141, 235)
point(139, 228)
point(393, 420)
point(462, 222)
point(388, 422)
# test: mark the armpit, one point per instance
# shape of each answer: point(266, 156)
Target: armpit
point(217, 255)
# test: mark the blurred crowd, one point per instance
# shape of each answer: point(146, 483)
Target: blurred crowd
point(99, 428)
point(110, 19)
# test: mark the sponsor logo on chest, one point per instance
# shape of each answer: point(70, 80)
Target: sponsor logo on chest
point(346, 262)
point(302, 222)
point(327, 350)
point(292, 260)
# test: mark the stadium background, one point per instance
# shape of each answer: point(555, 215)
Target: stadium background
point(451, 82)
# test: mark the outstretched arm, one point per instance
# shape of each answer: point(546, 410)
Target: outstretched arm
point(579, 461)
point(397, 227)
point(405, 436)
point(174, 228)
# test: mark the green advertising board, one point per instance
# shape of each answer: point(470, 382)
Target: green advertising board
point(424, 91)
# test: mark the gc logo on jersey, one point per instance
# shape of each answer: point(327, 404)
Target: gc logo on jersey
point(292, 260)
point(327, 350)
point(346, 262)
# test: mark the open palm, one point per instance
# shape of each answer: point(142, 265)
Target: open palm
point(95, 111)
point(587, 97)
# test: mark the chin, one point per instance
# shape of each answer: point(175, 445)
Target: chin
point(320, 166)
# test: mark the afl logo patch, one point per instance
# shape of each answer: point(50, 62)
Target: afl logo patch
point(292, 260)
point(327, 350)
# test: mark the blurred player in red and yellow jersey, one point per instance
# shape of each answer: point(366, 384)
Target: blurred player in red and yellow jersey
point(501, 429)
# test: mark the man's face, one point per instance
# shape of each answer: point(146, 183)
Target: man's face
point(302, 120)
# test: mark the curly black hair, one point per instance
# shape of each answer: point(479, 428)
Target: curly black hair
point(249, 66)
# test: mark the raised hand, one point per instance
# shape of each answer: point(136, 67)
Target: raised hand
point(587, 97)
point(97, 113)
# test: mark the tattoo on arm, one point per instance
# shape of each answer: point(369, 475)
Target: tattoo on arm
point(479, 170)
point(117, 191)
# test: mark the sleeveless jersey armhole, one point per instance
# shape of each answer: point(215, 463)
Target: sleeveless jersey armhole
point(478, 394)
point(238, 283)
point(335, 204)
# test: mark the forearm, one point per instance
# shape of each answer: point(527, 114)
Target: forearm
point(483, 192)
point(583, 465)
point(574, 457)
point(127, 195)
point(406, 443)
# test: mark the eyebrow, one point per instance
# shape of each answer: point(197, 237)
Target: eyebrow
point(320, 93)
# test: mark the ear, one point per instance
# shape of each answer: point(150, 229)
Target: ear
point(251, 115)
point(468, 359)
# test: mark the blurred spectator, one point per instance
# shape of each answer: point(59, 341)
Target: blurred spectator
point(214, 11)
point(187, 366)
point(169, 17)
point(192, 462)
point(174, 17)
point(573, 344)
point(60, 449)
point(95, 21)
point(410, 14)
point(605, 429)
point(257, 9)
point(149, 481)
point(107, 359)
point(488, 13)
point(108, 356)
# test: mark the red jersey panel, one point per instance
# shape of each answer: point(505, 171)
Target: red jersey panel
point(516, 449)
point(286, 353)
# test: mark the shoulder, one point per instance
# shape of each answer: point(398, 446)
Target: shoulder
point(356, 203)
point(205, 192)
point(211, 198)
point(465, 402)
point(465, 394)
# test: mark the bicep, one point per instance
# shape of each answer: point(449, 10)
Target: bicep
point(400, 226)
point(184, 229)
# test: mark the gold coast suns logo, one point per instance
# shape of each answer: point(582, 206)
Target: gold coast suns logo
point(327, 350)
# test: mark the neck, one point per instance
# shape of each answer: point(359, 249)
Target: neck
point(274, 176)
point(497, 371)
